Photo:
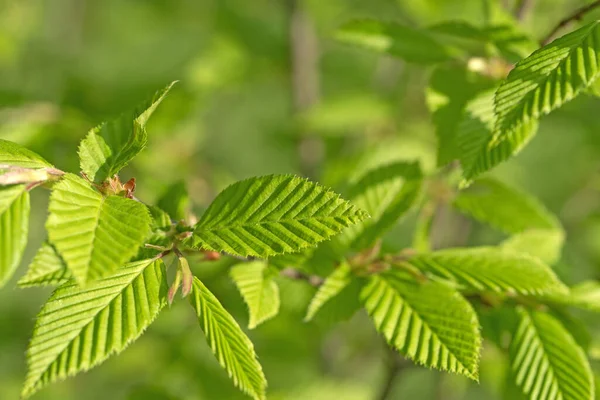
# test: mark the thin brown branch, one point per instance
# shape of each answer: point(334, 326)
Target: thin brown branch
point(576, 16)
point(292, 273)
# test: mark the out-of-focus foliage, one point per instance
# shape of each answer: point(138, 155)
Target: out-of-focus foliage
point(67, 65)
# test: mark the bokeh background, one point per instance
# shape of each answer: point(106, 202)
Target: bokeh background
point(264, 88)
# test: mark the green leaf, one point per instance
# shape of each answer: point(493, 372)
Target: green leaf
point(46, 269)
point(386, 193)
point(339, 279)
point(536, 231)
point(491, 269)
point(430, 323)
point(12, 154)
point(14, 226)
point(584, 295)
point(231, 346)
point(541, 243)
point(255, 282)
point(539, 84)
point(508, 40)
point(272, 214)
point(546, 360)
point(94, 234)
point(175, 200)
point(478, 150)
point(450, 88)
point(410, 44)
point(110, 146)
point(492, 202)
point(78, 329)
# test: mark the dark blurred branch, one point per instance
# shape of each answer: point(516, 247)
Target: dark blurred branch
point(522, 8)
point(292, 273)
point(304, 65)
point(394, 366)
point(576, 16)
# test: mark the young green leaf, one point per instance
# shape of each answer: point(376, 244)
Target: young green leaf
point(491, 269)
point(175, 201)
point(492, 202)
point(430, 323)
point(536, 231)
point(410, 44)
point(12, 154)
point(271, 215)
point(110, 146)
point(540, 83)
point(14, 226)
point(78, 329)
point(547, 362)
point(545, 244)
point(450, 89)
point(585, 295)
point(46, 269)
point(231, 346)
point(478, 151)
point(255, 282)
point(386, 193)
point(331, 287)
point(94, 234)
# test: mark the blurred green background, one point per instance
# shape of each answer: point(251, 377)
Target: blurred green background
point(264, 88)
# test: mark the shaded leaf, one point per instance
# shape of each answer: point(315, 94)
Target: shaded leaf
point(46, 269)
point(491, 269)
point(14, 226)
point(255, 282)
point(410, 44)
point(386, 193)
point(331, 287)
point(16, 155)
point(175, 201)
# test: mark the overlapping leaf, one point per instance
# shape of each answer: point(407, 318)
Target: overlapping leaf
point(386, 193)
point(540, 83)
point(491, 269)
point(478, 152)
point(450, 88)
point(93, 234)
point(410, 44)
point(585, 295)
point(231, 346)
point(12, 154)
point(46, 269)
point(14, 226)
point(78, 329)
point(430, 323)
point(331, 287)
point(175, 201)
point(255, 282)
point(110, 146)
point(536, 231)
point(271, 215)
point(547, 362)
